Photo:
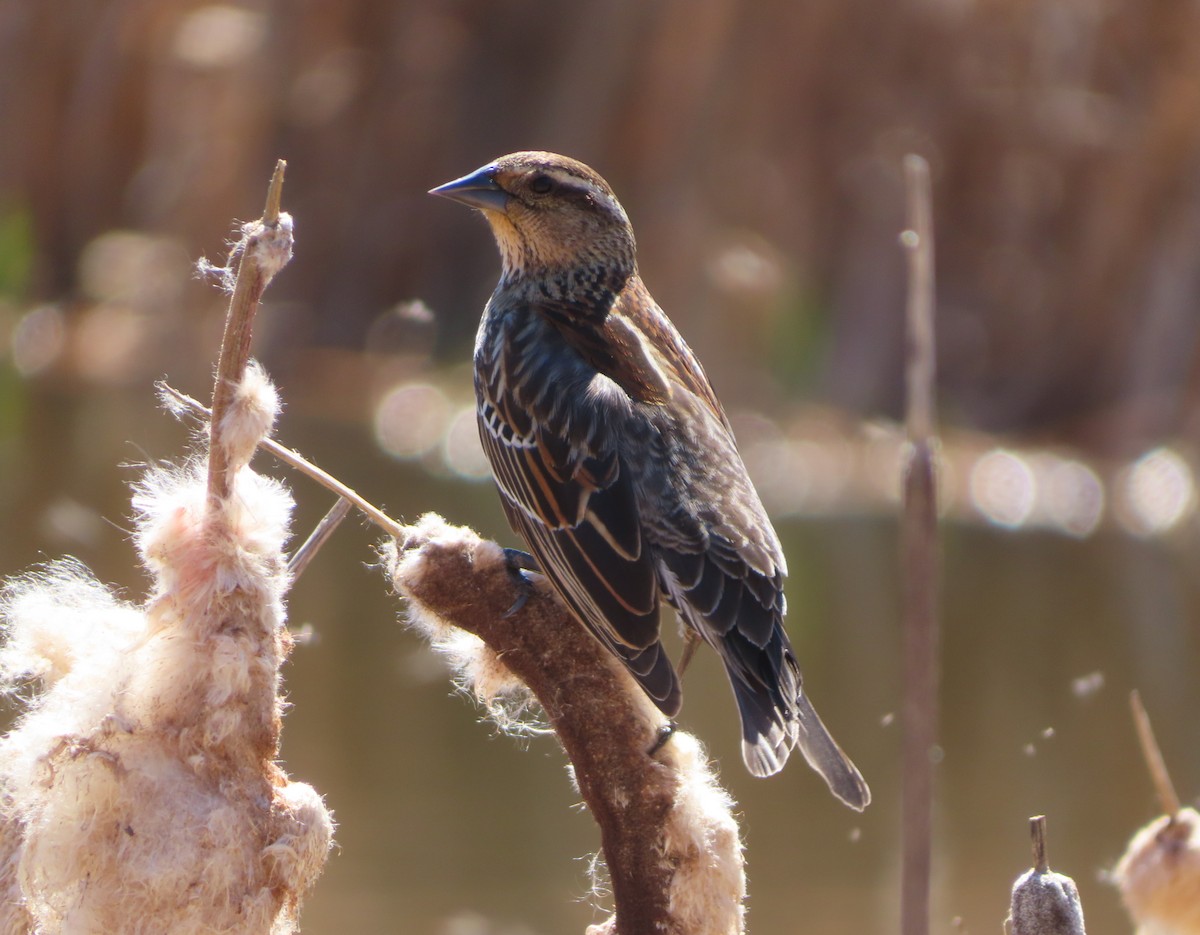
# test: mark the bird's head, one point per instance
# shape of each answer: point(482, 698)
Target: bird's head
point(548, 213)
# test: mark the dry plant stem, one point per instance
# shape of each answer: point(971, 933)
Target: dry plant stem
point(303, 465)
point(920, 362)
point(252, 280)
point(1152, 753)
point(318, 537)
point(919, 560)
point(592, 705)
point(1037, 833)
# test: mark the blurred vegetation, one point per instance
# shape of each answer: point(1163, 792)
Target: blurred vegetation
point(16, 254)
point(756, 147)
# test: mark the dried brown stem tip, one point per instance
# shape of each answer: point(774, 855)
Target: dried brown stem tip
point(265, 248)
point(1044, 903)
point(1037, 831)
point(670, 841)
point(274, 195)
point(1152, 754)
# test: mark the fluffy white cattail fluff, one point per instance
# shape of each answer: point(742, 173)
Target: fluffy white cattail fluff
point(1159, 875)
point(140, 789)
point(476, 669)
point(703, 845)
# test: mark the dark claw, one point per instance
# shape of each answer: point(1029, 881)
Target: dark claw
point(665, 733)
point(518, 563)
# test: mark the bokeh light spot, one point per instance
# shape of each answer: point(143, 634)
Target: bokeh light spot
point(219, 35)
point(1002, 488)
point(141, 270)
point(410, 419)
point(1158, 492)
point(462, 449)
point(746, 268)
point(38, 340)
point(1073, 496)
point(106, 343)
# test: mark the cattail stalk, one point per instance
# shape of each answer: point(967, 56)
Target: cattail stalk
point(919, 561)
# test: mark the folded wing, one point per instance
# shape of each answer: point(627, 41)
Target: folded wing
point(574, 505)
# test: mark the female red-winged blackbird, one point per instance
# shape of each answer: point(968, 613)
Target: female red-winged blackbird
point(616, 463)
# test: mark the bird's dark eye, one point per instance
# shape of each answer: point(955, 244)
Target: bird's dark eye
point(541, 184)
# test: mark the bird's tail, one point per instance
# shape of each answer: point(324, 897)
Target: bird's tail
point(826, 757)
point(768, 737)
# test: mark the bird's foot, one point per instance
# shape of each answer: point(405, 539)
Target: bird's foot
point(665, 733)
point(517, 563)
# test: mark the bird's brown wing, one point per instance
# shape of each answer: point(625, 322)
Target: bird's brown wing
point(723, 565)
point(575, 507)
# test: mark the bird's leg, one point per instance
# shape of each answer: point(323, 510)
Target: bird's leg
point(517, 563)
point(665, 733)
point(691, 639)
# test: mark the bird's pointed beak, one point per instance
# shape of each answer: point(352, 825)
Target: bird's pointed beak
point(477, 190)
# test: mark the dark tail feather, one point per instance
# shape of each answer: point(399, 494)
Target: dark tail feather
point(767, 739)
point(826, 757)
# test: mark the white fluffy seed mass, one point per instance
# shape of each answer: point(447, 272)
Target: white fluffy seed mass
point(1159, 875)
point(475, 667)
point(139, 789)
point(703, 843)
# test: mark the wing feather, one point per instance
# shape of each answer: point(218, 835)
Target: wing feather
point(576, 508)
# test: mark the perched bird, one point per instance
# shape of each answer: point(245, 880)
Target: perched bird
point(616, 463)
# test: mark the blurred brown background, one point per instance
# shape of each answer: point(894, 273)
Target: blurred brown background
point(757, 148)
